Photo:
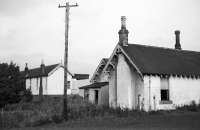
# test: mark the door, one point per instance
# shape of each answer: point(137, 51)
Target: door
point(96, 96)
point(138, 102)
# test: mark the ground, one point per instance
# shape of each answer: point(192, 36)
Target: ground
point(154, 121)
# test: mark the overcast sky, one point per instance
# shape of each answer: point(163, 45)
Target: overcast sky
point(31, 30)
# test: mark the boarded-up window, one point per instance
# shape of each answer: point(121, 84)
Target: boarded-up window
point(164, 82)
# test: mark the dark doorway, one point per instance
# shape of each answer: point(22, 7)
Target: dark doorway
point(139, 101)
point(96, 96)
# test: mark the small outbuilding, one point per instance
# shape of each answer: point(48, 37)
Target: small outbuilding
point(49, 80)
point(96, 93)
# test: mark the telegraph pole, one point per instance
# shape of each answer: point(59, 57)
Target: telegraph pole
point(67, 7)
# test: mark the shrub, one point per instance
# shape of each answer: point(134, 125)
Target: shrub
point(192, 107)
point(11, 84)
point(57, 118)
point(27, 97)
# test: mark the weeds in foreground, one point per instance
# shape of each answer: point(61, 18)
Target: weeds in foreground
point(50, 111)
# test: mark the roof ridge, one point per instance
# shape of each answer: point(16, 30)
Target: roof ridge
point(166, 48)
point(45, 66)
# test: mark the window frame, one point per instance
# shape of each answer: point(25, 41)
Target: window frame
point(164, 88)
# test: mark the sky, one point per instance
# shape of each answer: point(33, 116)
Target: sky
point(32, 30)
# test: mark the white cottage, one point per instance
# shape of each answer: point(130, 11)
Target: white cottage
point(51, 78)
point(147, 77)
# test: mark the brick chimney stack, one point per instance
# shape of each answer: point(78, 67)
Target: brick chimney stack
point(26, 67)
point(42, 73)
point(123, 32)
point(26, 70)
point(42, 68)
point(177, 45)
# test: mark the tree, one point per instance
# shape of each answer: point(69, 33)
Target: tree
point(10, 84)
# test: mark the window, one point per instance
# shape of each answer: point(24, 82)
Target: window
point(164, 95)
point(68, 84)
point(164, 82)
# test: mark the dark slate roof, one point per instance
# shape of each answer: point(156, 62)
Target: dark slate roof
point(157, 60)
point(36, 71)
point(95, 85)
point(80, 76)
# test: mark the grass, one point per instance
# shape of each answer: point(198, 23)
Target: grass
point(48, 113)
point(175, 121)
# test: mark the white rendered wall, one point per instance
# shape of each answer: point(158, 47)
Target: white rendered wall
point(152, 95)
point(28, 83)
point(73, 85)
point(91, 95)
point(81, 92)
point(34, 84)
point(45, 85)
point(184, 90)
point(56, 82)
point(112, 90)
point(104, 96)
point(124, 83)
point(151, 90)
point(130, 86)
point(138, 91)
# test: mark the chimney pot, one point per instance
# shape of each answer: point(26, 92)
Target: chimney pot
point(177, 32)
point(177, 45)
point(123, 21)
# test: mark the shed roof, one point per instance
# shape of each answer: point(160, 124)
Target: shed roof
point(94, 85)
point(158, 60)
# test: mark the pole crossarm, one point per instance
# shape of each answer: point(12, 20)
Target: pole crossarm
point(64, 6)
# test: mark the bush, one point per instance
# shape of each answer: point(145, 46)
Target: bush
point(11, 84)
point(57, 118)
point(192, 107)
point(27, 96)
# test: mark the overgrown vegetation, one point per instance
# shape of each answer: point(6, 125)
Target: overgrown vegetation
point(12, 88)
point(31, 113)
point(192, 107)
point(49, 110)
